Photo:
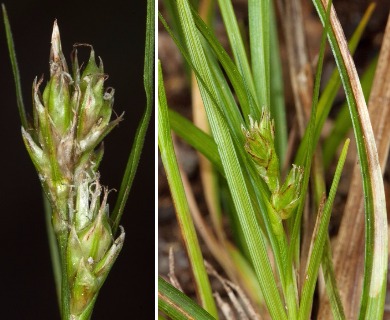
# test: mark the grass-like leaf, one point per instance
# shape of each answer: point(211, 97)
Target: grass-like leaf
point(179, 198)
point(309, 146)
point(319, 238)
point(132, 162)
point(237, 46)
point(374, 283)
point(177, 305)
point(259, 19)
point(245, 98)
point(330, 282)
point(332, 87)
point(196, 138)
point(277, 104)
point(15, 68)
point(343, 121)
point(232, 168)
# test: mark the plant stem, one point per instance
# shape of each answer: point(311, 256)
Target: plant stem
point(65, 291)
point(53, 245)
point(288, 283)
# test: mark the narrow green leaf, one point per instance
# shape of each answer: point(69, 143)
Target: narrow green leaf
point(244, 97)
point(258, 192)
point(319, 237)
point(375, 269)
point(237, 46)
point(224, 101)
point(171, 9)
point(132, 163)
point(234, 116)
point(343, 121)
point(179, 198)
point(310, 146)
point(331, 283)
point(259, 34)
point(277, 105)
point(15, 69)
point(228, 104)
point(234, 175)
point(329, 94)
point(195, 137)
point(177, 305)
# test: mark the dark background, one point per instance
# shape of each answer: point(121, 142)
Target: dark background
point(117, 32)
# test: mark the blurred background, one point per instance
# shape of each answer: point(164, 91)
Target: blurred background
point(117, 32)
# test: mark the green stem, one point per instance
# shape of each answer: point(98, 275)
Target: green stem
point(288, 283)
point(54, 253)
point(283, 264)
point(65, 290)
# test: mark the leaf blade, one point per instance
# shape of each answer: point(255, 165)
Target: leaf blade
point(177, 305)
point(15, 69)
point(374, 283)
point(135, 154)
point(232, 168)
point(180, 201)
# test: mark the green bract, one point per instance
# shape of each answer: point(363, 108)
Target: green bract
point(70, 120)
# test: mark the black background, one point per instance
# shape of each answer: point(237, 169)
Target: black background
point(116, 29)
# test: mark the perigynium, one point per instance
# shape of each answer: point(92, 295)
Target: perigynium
point(70, 120)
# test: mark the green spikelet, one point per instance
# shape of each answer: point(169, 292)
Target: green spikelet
point(70, 119)
point(260, 146)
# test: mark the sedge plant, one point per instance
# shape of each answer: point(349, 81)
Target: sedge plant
point(71, 115)
point(272, 251)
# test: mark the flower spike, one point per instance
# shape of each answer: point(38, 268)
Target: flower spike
point(71, 118)
point(261, 147)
